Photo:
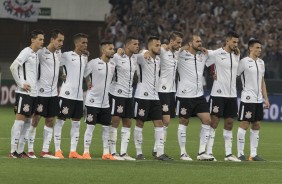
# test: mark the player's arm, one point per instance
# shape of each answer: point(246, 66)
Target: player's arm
point(264, 94)
point(87, 73)
point(14, 70)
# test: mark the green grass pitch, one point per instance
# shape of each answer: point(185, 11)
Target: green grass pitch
point(67, 171)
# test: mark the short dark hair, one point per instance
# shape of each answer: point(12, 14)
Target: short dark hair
point(151, 38)
point(253, 41)
point(174, 34)
point(35, 33)
point(55, 32)
point(232, 34)
point(129, 38)
point(79, 35)
point(105, 42)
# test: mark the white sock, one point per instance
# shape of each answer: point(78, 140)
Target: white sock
point(15, 134)
point(24, 135)
point(88, 137)
point(31, 138)
point(105, 138)
point(113, 140)
point(74, 135)
point(182, 138)
point(204, 136)
point(138, 139)
point(241, 141)
point(211, 141)
point(165, 134)
point(159, 137)
point(58, 134)
point(227, 135)
point(125, 137)
point(47, 138)
point(254, 140)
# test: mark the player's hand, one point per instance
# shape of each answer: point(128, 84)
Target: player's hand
point(266, 104)
point(147, 55)
point(63, 77)
point(204, 50)
point(89, 85)
point(214, 76)
point(26, 87)
point(237, 51)
point(120, 51)
point(165, 47)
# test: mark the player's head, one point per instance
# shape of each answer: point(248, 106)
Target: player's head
point(254, 47)
point(57, 38)
point(107, 49)
point(195, 42)
point(37, 39)
point(80, 41)
point(132, 45)
point(154, 45)
point(232, 40)
point(175, 40)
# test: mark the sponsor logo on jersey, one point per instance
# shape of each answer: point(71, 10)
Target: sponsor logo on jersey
point(100, 63)
point(146, 94)
point(164, 87)
point(41, 90)
point(218, 91)
point(119, 91)
point(120, 109)
point(67, 93)
point(91, 100)
point(248, 97)
point(250, 66)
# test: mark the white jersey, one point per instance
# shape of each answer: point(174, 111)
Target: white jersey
point(168, 71)
point(226, 65)
point(28, 70)
point(74, 66)
point(121, 85)
point(190, 68)
point(49, 65)
point(101, 74)
point(148, 78)
point(252, 73)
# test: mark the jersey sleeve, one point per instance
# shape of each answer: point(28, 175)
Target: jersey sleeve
point(211, 58)
point(63, 59)
point(241, 67)
point(22, 57)
point(89, 68)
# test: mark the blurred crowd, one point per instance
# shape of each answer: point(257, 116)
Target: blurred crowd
point(259, 19)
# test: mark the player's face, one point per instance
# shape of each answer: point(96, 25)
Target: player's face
point(255, 50)
point(38, 41)
point(176, 43)
point(58, 42)
point(133, 46)
point(109, 50)
point(81, 44)
point(155, 47)
point(197, 43)
point(232, 43)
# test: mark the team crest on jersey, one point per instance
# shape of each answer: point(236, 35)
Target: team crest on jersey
point(91, 100)
point(163, 87)
point(218, 91)
point(89, 117)
point(67, 93)
point(248, 97)
point(41, 90)
point(183, 111)
point(248, 115)
point(146, 94)
point(39, 108)
point(165, 108)
point(141, 112)
point(215, 109)
point(119, 91)
point(65, 110)
point(26, 108)
point(120, 109)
